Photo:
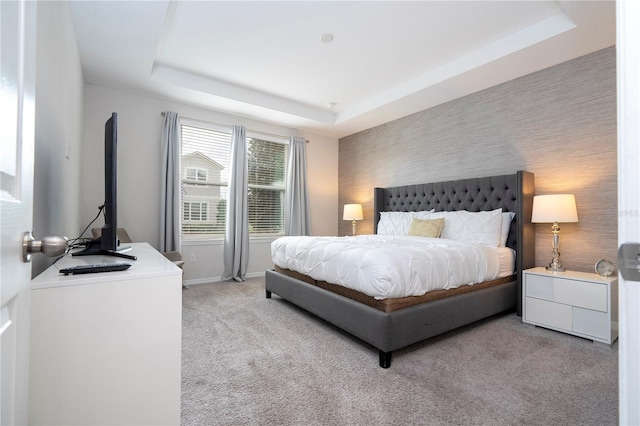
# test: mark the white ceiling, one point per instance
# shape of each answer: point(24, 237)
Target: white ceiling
point(388, 59)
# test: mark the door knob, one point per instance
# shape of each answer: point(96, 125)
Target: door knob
point(629, 261)
point(50, 246)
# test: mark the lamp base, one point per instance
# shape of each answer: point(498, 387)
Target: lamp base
point(555, 268)
point(555, 265)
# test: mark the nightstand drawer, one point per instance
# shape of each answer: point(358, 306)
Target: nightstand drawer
point(581, 294)
point(570, 292)
point(539, 286)
point(548, 313)
point(592, 323)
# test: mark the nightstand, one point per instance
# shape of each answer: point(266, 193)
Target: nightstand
point(578, 303)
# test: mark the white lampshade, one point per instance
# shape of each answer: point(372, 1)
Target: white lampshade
point(554, 208)
point(352, 212)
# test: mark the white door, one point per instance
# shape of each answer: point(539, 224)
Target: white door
point(17, 112)
point(628, 16)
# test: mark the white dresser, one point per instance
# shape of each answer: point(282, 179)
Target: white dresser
point(106, 347)
point(579, 303)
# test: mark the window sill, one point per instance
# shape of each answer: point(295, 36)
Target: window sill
point(220, 241)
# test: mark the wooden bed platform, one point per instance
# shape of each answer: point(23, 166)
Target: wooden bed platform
point(389, 331)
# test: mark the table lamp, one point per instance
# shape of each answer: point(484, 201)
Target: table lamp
point(553, 209)
point(352, 212)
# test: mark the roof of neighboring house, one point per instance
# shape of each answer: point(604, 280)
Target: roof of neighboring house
point(198, 154)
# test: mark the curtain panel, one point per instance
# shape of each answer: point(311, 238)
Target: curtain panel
point(296, 213)
point(170, 184)
point(236, 237)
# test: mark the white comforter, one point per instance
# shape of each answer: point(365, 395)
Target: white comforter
point(385, 266)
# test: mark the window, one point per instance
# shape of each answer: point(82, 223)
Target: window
point(195, 211)
point(194, 173)
point(265, 195)
point(205, 163)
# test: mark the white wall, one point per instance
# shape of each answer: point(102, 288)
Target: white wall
point(139, 126)
point(59, 124)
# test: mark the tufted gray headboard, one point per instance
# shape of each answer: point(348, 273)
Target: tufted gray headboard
point(512, 193)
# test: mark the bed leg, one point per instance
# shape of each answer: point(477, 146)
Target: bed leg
point(385, 359)
point(268, 294)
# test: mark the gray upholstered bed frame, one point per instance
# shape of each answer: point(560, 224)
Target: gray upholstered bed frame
point(394, 330)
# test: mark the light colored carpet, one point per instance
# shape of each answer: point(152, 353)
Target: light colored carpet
point(257, 361)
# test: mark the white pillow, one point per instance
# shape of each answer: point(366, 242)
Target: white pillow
point(395, 223)
point(425, 215)
point(507, 218)
point(476, 227)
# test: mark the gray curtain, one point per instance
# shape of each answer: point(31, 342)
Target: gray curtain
point(296, 206)
point(236, 236)
point(170, 184)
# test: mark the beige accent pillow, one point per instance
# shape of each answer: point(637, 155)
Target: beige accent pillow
point(426, 227)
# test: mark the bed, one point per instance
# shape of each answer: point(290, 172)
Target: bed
point(407, 321)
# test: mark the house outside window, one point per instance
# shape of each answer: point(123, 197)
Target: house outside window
point(205, 162)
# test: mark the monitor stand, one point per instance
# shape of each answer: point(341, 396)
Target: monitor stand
point(94, 248)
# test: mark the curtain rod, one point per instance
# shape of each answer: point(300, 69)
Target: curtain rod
point(256, 131)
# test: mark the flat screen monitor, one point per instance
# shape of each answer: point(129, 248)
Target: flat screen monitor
point(109, 238)
point(108, 243)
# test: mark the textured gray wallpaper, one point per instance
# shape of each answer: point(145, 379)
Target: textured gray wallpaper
point(559, 123)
